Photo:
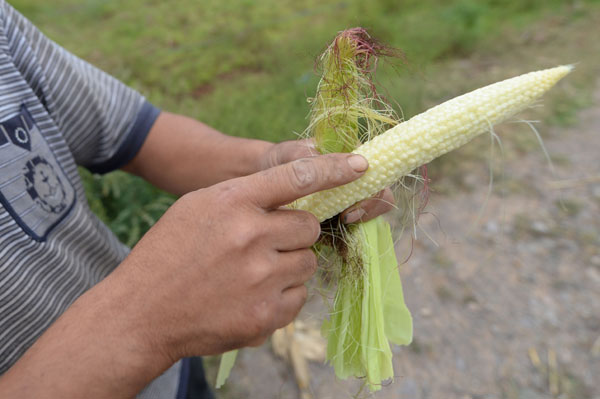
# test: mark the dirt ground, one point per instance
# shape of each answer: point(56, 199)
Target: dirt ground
point(504, 306)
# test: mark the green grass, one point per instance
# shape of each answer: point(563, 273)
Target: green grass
point(246, 67)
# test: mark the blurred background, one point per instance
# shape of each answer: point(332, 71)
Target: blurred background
point(504, 288)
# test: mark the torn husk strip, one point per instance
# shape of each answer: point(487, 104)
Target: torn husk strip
point(368, 308)
point(225, 366)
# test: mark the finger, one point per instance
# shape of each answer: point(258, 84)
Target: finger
point(296, 267)
point(293, 229)
point(288, 151)
point(370, 208)
point(295, 149)
point(283, 184)
point(290, 304)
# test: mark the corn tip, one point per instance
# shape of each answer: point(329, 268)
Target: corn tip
point(565, 69)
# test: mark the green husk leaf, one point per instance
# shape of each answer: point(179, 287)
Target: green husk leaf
point(377, 355)
point(225, 366)
point(398, 320)
point(339, 89)
point(346, 110)
point(369, 308)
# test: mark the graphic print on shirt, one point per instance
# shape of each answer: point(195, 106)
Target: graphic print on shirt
point(33, 186)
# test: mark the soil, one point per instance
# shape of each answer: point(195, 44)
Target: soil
point(506, 301)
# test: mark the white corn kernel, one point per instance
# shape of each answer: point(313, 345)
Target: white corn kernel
point(431, 134)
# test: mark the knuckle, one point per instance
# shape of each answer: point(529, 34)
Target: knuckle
point(309, 263)
point(335, 170)
point(260, 315)
point(226, 193)
point(304, 173)
point(366, 205)
point(303, 149)
point(309, 223)
point(383, 201)
point(239, 240)
point(244, 235)
point(340, 171)
point(258, 273)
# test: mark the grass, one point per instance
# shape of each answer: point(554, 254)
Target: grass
point(246, 67)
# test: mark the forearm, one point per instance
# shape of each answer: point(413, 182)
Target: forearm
point(96, 349)
point(181, 154)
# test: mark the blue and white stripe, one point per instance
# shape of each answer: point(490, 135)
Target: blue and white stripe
point(82, 117)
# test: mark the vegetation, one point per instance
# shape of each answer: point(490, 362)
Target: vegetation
point(246, 67)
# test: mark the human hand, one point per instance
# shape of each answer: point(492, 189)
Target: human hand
point(226, 265)
point(287, 151)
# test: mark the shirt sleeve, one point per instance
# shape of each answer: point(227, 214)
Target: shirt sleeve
point(103, 121)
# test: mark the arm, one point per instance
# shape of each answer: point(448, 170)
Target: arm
point(181, 154)
point(97, 349)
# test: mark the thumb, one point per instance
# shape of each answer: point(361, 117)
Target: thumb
point(286, 183)
point(288, 151)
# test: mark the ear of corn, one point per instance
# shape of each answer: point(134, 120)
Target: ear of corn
point(431, 134)
point(369, 309)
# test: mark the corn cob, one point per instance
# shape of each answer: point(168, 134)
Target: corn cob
point(431, 134)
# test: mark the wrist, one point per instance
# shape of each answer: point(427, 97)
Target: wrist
point(117, 316)
point(96, 349)
point(130, 315)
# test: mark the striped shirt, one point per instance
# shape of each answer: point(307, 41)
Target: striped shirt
point(57, 112)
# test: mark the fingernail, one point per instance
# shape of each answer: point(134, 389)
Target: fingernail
point(354, 216)
point(358, 163)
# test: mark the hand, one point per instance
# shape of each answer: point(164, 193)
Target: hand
point(226, 265)
point(287, 151)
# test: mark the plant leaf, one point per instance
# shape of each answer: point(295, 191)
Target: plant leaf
point(225, 366)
